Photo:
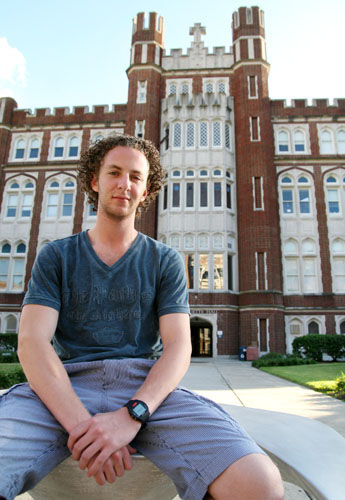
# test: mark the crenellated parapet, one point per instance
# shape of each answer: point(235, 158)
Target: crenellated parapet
point(64, 116)
point(301, 107)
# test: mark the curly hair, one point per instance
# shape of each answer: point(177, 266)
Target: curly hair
point(91, 162)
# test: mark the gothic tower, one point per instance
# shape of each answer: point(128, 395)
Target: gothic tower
point(260, 285)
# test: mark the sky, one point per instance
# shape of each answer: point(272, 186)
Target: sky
point(75, 52)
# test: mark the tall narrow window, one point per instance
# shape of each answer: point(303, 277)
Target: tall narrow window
point(20, 149)
point(177, 138)
point(140, 129)
point(258, 205)
point(254, 128)
point(326, 142)
point(203, 135)
point(227, 136)
point(292, 275)
point(34, 148)
point(263, 334)
point(217, 194)
point(176, 195)
point(341, 142)
point(189, 194)
point(203, 271)
point(166, 137)
point(228, 195)
point(59, 147)
point(299, 141)
point(287, 201)
point(252, 86)
point(333, 201)
point(203, 194)
point(73, 147)
point(313, 328)
point(230, 273)
point(261, 276)
point(52, 205)
point(141, 92)
point(283, 142)
point(12, 203)
point(67, 205)
point(165, 197)
point(190, 133)
point(217, 137)
point(26, 205)
point(218, 272)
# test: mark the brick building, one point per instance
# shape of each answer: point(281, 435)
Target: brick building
point(254, 197)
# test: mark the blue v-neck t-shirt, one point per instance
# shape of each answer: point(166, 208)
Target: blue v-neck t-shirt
point(108, 312)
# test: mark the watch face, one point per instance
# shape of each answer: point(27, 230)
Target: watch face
point(139, 409)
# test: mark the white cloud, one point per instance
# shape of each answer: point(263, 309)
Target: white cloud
point(12, 68)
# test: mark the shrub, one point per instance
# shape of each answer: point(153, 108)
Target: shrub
point(8, 341)
point(340, 386)
point(10, 376)
point(276, 359)
point(8, 357)
point(314, 346)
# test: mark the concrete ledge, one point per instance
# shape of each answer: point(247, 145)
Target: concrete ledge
point(67, 482)
point(307, 452)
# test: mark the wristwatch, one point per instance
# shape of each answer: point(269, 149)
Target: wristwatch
point(138, 410)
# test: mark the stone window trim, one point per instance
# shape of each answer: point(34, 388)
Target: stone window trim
point(179, 86)
point(215, 85)
point(18, 199)
point(334, 187)
point(59, 197)
point(26, 147)
point(331, 138)
point(65, 145)
point(292, 140)
point(296, 195)
point(12, 266)
point(301, 266)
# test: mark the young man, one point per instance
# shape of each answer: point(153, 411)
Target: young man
point(106, 297)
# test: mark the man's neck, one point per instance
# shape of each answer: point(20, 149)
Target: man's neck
point(111, 239)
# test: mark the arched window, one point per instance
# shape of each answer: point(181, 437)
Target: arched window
point(309, 266)
point(59, 147)
point(34, 148)
point(291, 267)
point(190, 135)
point(283, 141)
point(299, 141)
point(73, 146)
point(172, 89)
point(11, 324)
point(341, 141)
point(313, 327)
point(326, 142)
point(203, 135)
point(338, 265)
point(60, 198)
point(342, 327)
point(12, 267)
point(20, 149)
point(216, 134)
point(333, 195)
point(177, 135)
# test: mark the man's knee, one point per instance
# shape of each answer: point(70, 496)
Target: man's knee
point(252, 476)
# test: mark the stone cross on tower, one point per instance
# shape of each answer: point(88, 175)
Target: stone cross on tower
point(197, 31)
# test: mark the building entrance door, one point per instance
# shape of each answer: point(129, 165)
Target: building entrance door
point(201, 332)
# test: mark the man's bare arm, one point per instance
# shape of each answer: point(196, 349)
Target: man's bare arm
point(43, 368)
point(107, 432)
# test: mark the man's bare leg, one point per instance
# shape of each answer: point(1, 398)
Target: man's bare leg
point(252, 476)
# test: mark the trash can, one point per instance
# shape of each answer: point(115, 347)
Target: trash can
point(242, 353)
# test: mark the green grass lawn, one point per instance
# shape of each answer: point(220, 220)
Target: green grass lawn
point(320, 377)
point(10, 374)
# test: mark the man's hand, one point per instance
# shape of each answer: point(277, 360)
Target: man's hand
point(101, 444)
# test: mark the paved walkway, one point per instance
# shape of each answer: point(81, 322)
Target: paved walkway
point(229, 381)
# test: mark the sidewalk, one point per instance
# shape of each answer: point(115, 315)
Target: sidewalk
point(229, 381)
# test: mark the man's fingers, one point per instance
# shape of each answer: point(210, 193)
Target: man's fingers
point(126, 457)
point(76, 434)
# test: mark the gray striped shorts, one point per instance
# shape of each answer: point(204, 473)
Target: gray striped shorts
point(192, 439)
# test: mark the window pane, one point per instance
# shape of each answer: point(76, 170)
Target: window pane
point(18, 274)
point(33, 152)
point(203, 272)
point(3, 273)
point(67, 204)
point(203, 194)
point(217, 194)
point(52, 205)
point(228, 196)
point(203, 135)
point(176, 195)
point(177, 135)
point(26, 205)
point(165, 197)
point(333, 202)
point(218, 271)
point(58, 152)
point(190, 194)
point(227, 136)
point(304, 201)
point(12, 203)
point(190, 135)
point(287, 201)
point(216, 134)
